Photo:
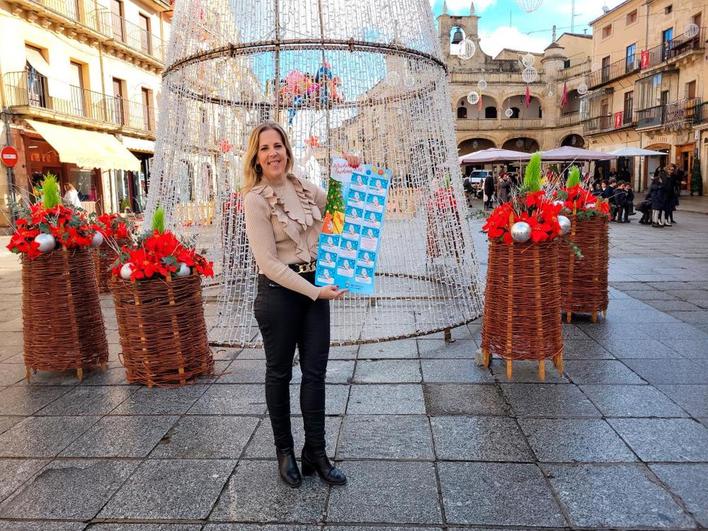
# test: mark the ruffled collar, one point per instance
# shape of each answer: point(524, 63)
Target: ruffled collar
point(293, 221)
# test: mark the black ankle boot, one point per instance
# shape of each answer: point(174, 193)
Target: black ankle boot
point(287, 467)
point(317, 461)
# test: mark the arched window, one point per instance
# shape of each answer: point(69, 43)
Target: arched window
point(540, 112)
point(462, 111)
point(490, 112)
point(515, 111)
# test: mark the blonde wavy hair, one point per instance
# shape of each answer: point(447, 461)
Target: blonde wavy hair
point(252, 171)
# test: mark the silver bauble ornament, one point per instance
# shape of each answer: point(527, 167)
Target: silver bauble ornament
point(125, 271)
point(482, 84)
point(97, 239)
point(521, 232)
point(509, 113)
point(529, 75)
point(183, 270)
point(46, 242)
point(473, 97)
point(564, 223)
point(582, 88)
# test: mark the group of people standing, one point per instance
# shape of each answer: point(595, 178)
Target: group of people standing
point(660, 203)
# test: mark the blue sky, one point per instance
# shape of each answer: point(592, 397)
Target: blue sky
point(526, 31)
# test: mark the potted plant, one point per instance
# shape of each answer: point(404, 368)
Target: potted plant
point(156, 289)
point(584, 259)
point(61, 313)
point(522, 296)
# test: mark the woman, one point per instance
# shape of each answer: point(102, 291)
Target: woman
point(658, 200)
point(283, 223)
point(71, 196)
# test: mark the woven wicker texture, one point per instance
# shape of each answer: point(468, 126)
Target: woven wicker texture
point(104, 257)
point(61, 312)
point(162, 330)
point(584, 281)
point(522, 302)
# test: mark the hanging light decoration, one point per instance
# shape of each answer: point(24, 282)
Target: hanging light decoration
point(481, 84)
point(529, 5)
point(528, 59)
point(582, 88)
point(392, 78)
point(691, 30)
point(529, 75)
point(473, 98)
point(467, 49)
point(509, 113)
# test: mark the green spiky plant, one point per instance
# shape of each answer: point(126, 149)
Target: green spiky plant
point(158, 220)
point(51, 196)
point(573, 177)
point(532, 175)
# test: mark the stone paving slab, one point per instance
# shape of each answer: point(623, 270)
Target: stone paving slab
point(386, 437)
point(14, 525)
point(261, 443)
point(193, 487)
point(386, 400)
point(602, 496)
point(14, 472)
point(479, 439)
point(160, 401)
point(548, 400)
point(692, 398)
point(504, 494)
point(26, 400)
point(68, 489)
point(255, 494)
point(43, 436)
point(631, 401)
point(690, 482)
point(97, 400)
point(386, 492)
point(464, 399)
point(120, 437)
point(667, 440)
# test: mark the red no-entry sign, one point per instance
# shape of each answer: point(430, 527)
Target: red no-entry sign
point(9, 156)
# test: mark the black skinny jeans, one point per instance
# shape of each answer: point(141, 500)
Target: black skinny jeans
point(288, 319)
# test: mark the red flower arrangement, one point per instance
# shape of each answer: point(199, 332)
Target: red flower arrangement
point(160, 254)
point(113, 226)
point(577, 199)
point(41, 227)
point(530, 206)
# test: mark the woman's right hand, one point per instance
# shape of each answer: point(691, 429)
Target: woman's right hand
point(331, 292)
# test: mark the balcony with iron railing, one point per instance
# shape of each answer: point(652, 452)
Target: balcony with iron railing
point(672, 116)
point(569, 118)
point(495, 124)
point(613, 71)
point(598, 124)
point(675, 48)
point(97, 19)
point(581, 69)
point(34, 94)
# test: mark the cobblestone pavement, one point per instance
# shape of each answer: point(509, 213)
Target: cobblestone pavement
point(428, 439)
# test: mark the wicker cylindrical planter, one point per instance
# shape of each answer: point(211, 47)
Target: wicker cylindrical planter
point(522, 303)
point(61, 313)
point(162, 330)
point(584, 280)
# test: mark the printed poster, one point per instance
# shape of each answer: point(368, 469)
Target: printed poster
point(354, 216)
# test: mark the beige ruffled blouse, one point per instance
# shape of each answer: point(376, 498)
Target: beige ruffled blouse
point(283, 225)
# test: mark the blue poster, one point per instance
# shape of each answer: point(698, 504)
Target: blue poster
point(348, 257)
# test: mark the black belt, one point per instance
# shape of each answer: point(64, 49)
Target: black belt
point(302, 269)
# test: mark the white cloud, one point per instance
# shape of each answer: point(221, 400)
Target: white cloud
point(492, 42)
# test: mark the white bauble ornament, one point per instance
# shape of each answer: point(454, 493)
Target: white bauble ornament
point(564, 223)
point(473, 98)
point(521, 232)
point(558, 202)
point(183, 270)
point(466, 48)
point(97, 239)
point(582, 88)
point(46, 242)
point(529, 75)
point(125, 271)
point(591, 205)
point(482, 84)
point(509, 113)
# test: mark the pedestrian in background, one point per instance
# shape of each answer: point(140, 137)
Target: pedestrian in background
point(489, 190)
point(658, 200)
point(71, 195)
